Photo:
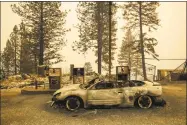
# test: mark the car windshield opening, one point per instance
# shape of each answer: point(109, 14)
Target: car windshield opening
point(91, 82)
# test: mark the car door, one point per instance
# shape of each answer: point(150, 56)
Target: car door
point(104, 93)
point(131, 92)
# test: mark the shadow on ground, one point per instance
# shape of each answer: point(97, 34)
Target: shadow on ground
point(92, 110)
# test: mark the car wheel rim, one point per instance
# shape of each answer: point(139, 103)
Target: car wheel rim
point(72, 104)
point(144, 101)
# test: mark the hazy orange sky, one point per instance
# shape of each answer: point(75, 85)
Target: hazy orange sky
point(171, 35)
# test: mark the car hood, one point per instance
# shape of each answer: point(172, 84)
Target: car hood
point(152, 83)
point(156, 84)
point(68, 88)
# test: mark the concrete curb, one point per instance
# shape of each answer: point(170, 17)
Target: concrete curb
point(35, 92)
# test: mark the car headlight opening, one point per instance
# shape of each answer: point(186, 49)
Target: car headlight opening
point(58, 94)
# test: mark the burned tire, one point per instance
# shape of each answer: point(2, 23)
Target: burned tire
point(144, 102)
point(73, 103)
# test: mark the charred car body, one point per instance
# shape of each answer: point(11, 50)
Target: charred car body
point(96, 92)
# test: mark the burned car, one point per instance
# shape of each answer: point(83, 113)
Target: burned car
point(142, 94)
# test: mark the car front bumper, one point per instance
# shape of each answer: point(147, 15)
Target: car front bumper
point(54, 98)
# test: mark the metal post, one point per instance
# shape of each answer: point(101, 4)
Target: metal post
point(116, 73)
point(71, 71)
point(83, 79)
point(154, 77)
point(73, 79)
point(36, 83)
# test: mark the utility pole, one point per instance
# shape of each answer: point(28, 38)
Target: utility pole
point(41, 36)
point(141, 42)
point(110, 35)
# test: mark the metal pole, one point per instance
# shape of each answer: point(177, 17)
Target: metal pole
point(110, 35)
point(73, 79)
point(154, 77)
point(36, 83)
point(71, 71)
point(83, 79)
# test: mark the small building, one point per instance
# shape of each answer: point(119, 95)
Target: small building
point(168, 74)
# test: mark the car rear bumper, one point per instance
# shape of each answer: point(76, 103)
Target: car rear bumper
point(159, 101)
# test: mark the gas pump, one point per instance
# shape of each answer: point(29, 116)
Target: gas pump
point(122, 73)
point(77, 73)
point(54, 75)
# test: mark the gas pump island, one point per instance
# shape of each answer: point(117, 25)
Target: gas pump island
point(54, 76)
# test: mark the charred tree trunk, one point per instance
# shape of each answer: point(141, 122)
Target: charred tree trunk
point(110, 35)
point(35, 63)
point(21, 57)
point(21, 54)
point(129, 51)
point(141, 42)
point(99, 26)
point(15, 58)
point(41, 36)
point(136, 69)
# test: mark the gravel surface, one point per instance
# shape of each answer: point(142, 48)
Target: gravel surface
point(35, 110)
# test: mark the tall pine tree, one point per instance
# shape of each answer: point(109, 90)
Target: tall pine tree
point(14, 39)
point(88, 68)
point(46, 22)
point(142, 17)
point(94, 31)
point(129, 54)
point(26, 55)
point(8, 59)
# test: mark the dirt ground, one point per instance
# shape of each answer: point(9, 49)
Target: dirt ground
point(35, 110)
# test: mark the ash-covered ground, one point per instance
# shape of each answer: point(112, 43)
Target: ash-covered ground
point(19, 109)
